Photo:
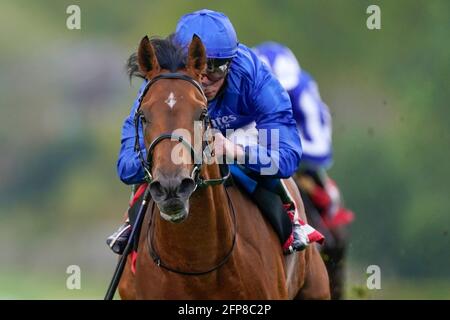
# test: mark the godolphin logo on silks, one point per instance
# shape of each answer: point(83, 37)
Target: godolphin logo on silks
point(223, 122)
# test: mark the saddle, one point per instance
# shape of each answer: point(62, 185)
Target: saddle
point(270, 197)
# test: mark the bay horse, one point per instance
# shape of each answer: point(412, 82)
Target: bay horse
point(203, 242)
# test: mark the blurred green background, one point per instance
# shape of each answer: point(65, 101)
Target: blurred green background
point(64, 94)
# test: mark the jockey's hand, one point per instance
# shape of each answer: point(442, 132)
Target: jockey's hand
point(306, 183)
point(224, 147)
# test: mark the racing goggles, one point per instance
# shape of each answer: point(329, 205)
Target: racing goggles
point(217, 69)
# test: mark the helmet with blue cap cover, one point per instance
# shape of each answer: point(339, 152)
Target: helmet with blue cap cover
point(217, 34)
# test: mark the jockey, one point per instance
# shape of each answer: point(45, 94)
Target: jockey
point(314, 125)
point(241, 93)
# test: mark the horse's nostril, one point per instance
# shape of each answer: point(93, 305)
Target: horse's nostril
point(186, 187)
point(157, 191)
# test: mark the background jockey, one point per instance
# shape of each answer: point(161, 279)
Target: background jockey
point(314, 125)
point(241, 92)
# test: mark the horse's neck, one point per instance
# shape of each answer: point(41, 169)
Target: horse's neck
point(206, 235)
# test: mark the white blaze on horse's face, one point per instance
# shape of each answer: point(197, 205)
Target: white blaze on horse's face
point(171, 100)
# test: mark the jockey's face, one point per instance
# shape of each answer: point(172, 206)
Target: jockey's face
point(214, 77)
point(211, 88)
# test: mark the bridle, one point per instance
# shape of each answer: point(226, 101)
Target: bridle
point(195, 174)
point(198, 159)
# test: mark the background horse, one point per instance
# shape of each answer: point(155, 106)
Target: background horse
point(211, 242)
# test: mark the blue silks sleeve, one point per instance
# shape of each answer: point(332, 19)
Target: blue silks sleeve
point(129, 166)
point(279, 148)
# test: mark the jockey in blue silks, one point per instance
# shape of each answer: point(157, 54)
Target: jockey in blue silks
point(242, 93)
point(314, 126)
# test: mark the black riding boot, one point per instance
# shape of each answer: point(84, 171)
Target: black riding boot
point(119, 239)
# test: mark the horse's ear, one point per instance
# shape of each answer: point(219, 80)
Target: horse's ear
point(147, 60)
point(196, 62)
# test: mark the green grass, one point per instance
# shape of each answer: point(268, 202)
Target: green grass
point(15, 285)
point(47, 286)
point(402, 289)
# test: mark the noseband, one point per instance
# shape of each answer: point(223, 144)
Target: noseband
point(198, 159)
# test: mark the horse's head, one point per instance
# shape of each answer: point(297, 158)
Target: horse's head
point(172, 105)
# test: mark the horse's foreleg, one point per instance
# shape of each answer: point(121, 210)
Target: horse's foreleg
point(316, 285)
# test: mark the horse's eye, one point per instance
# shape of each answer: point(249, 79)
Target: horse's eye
point(144, 119)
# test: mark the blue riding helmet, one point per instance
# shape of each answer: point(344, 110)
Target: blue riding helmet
point(214, 29)
point(281, 61)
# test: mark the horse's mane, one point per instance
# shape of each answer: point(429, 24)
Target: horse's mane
point(170, 54)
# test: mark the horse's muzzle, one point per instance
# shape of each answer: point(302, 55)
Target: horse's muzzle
point(174, 210)
point(170, 188)
point(171, 195)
